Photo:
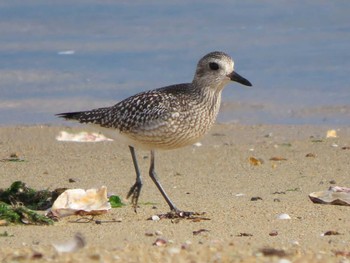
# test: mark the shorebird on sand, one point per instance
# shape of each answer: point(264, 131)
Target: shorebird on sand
point(167, 118)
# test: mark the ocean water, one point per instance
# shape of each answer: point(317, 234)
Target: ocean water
point(59, 56)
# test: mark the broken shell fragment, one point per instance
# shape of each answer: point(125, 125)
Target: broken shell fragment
point(79, 201)
point(255, 161)
point(331, 134)
point(81, 137)
point(335, 195)
point(160, 242)
point(283, 216)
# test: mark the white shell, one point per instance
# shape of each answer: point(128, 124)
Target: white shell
point(81, 137)
point(283, 216)
point(335, 195)
point(79, 201)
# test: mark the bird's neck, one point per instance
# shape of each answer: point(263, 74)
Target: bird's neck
point(211, 99)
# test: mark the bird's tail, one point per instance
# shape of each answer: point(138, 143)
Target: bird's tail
point(94, 116)
point(71, 115)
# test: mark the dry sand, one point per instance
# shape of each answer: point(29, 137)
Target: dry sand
point(216, 178)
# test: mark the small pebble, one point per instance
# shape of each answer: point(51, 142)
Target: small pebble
point(313, 155)
point(155, 218)
point(295, 243)
point(273, 233)
point(186, 245)
point(149, 234)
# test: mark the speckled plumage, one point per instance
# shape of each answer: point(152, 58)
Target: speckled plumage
point(172, 116)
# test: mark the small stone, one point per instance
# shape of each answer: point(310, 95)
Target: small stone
point(149, 234)
point(186, 245)
point(155, 218)
point(273, 233)
point(312, 155)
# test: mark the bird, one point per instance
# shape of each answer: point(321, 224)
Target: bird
point(166, 118)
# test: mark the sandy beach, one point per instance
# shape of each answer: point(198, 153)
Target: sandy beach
point(240, 199)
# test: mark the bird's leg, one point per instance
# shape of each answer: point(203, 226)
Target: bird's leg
point(135, 190)
point(154, 178)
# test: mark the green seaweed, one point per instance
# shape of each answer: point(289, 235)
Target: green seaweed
point(20, 193)
point(115, 201)
point(19, 214)
point(18, 202)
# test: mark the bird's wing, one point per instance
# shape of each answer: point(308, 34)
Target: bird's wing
point(143, 111)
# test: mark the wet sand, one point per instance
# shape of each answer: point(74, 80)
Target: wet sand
point(216, 178)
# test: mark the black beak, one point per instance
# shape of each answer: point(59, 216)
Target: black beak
point(238, 78)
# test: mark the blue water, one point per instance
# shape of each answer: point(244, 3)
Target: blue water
point(296, 54)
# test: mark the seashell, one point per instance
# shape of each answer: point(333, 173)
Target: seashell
point(160, 242)
point(283, 216)
point(335, 195)
point(255, 161)
point(79, 201)
point(331, 134)
point(81, 137)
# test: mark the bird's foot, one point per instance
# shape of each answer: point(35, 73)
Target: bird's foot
point(134, 192)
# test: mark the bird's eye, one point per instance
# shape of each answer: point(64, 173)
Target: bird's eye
point(213, 66)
